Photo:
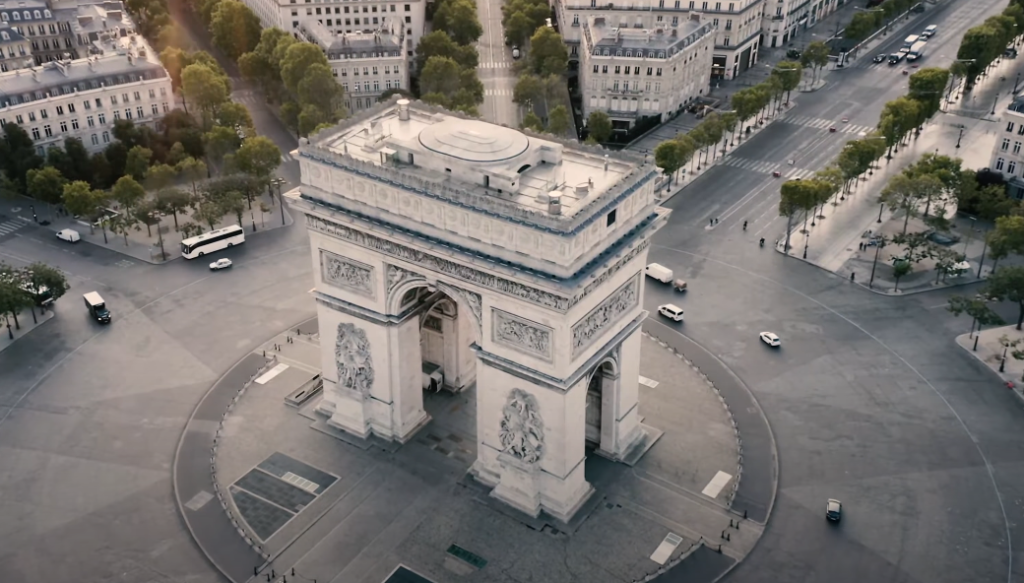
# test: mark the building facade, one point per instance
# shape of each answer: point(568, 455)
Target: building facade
point(737, 25)
point(1007, 155)
point(454, 254)
point(83, 98)
point(15, 50)
point(633, 73)
point(49, 32)
point(365, 64)
point(338, 16)
point(785, 19)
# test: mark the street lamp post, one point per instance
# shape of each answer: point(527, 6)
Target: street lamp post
point(958, 138)
point(984, 248)
point(278, 182)
point(874, 264)
point(881, 207)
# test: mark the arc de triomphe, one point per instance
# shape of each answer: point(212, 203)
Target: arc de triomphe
point(452, 253)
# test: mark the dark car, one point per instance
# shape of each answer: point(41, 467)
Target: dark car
point(834, 510)
point(792, 54)
point(879, 58)
point(1010, 52)
point(895, 58)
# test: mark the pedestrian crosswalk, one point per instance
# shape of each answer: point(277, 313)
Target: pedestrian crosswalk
point(498, 92)
point(245, 96)
point(494, 65)
point(825, 124)
point(9, 226)
point(286, 157)
point(766, 167)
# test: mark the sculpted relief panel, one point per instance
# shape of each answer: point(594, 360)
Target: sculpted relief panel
point(353, 358)
point(607, 313)
point(521, 334)
point(346, 273)
point(522, 429)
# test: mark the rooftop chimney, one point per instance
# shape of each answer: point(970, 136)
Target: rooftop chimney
point(403, 110)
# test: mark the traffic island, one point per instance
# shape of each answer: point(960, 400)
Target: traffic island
point(995, 348)
point(299, 494)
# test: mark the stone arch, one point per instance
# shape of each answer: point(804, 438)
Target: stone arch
point(400, 283)
point(601, 387)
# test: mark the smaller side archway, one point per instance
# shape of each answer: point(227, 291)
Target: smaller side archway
point(601, 388)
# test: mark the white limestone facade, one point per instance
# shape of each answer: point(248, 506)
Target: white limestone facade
point(405, 17)
point(633, 73)
point(83, 98)
point(453, 253)
point(366, 64)
point(1008, 152)
point(785, 19)
point(737, 25)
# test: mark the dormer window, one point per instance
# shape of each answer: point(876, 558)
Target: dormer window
point(17, 16)
point(46, 13)
point(38, 15)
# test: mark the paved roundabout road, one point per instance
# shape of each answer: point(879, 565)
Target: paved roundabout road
point(870, 402)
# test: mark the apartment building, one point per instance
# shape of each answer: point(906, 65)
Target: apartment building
point(633, 73)
point(122, 79)
point(1007, 157)
point(15, 50)
point(366, 64)
point(47, 30)
point(345, 16)
point(737, 25)
point(785, 19)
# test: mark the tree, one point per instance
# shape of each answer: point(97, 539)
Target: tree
point(980, 46)
point(670, 156)
point(458, 18)
point(123, 223)
point(746, 104)
point(18, 155)
point(174, 201)
point(235, 29)
point(137, 163)
point(815, 56)
point(599, 126)
point(46, 185)
point(519, 28)
point(1007, 285)
point(789, 73)
point(898, 117)
point(1007, 237)
point(900, 269)
point(548, 55)
point(927, 87)
point(559, 121)
point(532, 121)
point(945, 259)
point(192, 170)
point(79, 166)
point(902, 193)
point(220, 141)
point(440, 76)
point(235, 115)
point(160, 177)
point(528, 91)
point(977, 308)
point(297, 59)
point(916, 247)
point(258, 157)
point(79, 199)
point(128, 193)
point(790, 202)
point(862, 25)
point(439, 44)
point(319, 88)
point(209, 212)
point(12, 298)
point(204, 88)
point(42, 276)
point(148, 213)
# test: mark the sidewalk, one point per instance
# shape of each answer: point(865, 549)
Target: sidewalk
point(143, 243)
point(987, 347)
point(832, 242)
point(367, 506)
point(27, 323)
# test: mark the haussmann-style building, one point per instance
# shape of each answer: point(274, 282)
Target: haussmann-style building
point(453, 254)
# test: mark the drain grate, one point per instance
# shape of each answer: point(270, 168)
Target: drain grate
point(467, 556)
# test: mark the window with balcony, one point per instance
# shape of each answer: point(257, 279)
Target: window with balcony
point(1006, 144)
point(1011, 167)
point(1016, 147)
point(1000, 163)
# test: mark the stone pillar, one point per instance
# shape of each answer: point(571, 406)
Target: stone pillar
point(620, 417)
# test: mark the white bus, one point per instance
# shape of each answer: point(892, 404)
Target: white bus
point(211, 242)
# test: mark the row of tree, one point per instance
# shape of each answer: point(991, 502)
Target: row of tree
point(728, 126)
point(865, 23)
point(21, 289)
point(234, 27)
point(446, 59)
point(983, 44)
point(542, 80)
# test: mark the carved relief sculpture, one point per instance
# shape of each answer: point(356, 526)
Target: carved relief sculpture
point(522, 429)
point(346, 273)
point(355, 363)
point(521, 334)
point(471, 299)
point(590, 327)
point(397, 276)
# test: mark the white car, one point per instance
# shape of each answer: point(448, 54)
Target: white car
point(771, 339)
point(69, 235)
point(671, 311)
point(220, 264)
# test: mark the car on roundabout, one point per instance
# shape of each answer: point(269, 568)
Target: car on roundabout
point(880, 58)
point(771, 339)
point(834, 510)
point(671, 311)
point(220, 264)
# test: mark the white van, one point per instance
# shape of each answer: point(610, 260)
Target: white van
point(69, 235)
point(659, 272)
point(930, 31)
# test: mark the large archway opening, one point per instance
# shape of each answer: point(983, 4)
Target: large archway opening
point(600, 390)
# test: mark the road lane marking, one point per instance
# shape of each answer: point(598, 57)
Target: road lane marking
point(715, 486)
point(270, 374)
point(648, 382)
point(666, 548)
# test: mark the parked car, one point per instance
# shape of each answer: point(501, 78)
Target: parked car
point(69, 235)
point(220, 264)
point(793, 54)
point(515, 52)
point(671, 311)
point(943, 238)
point(879, 58)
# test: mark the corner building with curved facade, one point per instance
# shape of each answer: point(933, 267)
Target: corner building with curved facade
point(453, 254)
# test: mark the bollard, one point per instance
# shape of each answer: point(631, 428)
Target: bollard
point(744, 513)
